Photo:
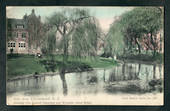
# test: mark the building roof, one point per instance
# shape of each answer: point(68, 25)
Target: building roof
point(12, 23)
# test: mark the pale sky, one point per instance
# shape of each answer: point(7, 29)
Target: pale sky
point(105, 15)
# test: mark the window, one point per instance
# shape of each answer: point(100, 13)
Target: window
point(21, 44)
point(9, 45)
point(24, 35)
point(12, 44)
point(19, 26)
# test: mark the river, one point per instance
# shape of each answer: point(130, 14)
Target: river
point(126, 78)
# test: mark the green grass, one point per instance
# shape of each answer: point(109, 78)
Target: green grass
point(23, 65)
point(27, 64)
point(101, 63)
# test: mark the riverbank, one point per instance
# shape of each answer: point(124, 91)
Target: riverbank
point(27, 76)
point(139, 62)
point(24, 65)
point(143, 58)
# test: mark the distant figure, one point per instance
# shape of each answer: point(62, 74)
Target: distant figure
point(36, 74)
point(115, 57)
point(39, 55)
point(11, 51)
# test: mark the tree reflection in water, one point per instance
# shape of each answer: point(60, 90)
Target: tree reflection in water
point(112, 77)
point(160, 72)
point(64, 83)
point(126, 78)
point(123, 71)
point(154, 71)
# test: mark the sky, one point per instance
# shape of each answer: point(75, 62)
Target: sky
point(105, 15)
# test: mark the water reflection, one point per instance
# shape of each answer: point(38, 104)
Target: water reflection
point(64, 83)
point(124, 78)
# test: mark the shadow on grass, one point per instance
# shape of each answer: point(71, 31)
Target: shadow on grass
point(15, 56)
point(107, 60)
point(143, 57)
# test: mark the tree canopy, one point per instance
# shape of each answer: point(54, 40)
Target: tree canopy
point(85, 38)
point(141, 22)
point(133, 27)
point(77, 29)
point(114, 43)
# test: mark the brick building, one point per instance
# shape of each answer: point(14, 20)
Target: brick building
point(18, 35)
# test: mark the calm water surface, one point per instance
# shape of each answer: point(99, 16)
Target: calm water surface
point(125, 78)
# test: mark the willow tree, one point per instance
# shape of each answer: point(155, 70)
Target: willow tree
point(114, 41)
point(51, 43)
point(68, 23)
point(85, 38)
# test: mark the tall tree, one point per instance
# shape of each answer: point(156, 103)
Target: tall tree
point(85, 38)
point(68, 23)
point(114, 43)
point(77, 29)
point(140, 22)
point(153, 27)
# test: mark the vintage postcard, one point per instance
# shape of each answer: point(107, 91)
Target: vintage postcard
point(72, 55)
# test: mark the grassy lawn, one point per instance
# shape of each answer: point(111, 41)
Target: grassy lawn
point(24, 64)
point(27, 64)
point(101, 63)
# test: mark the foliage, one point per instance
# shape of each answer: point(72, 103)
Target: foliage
point(114, 43)
point(28, 64)
point(140, 22)
point(51, 42)
point(135, 30)
point(85, 38)
point(49, 47)
point(72, 26)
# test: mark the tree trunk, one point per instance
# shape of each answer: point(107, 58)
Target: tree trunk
point(123, 71)
point(139, 48)
point(154, 45)
point(154, 72)
point(65, 50)
point(104, 76)
point(139, 67)
point(64, 83)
